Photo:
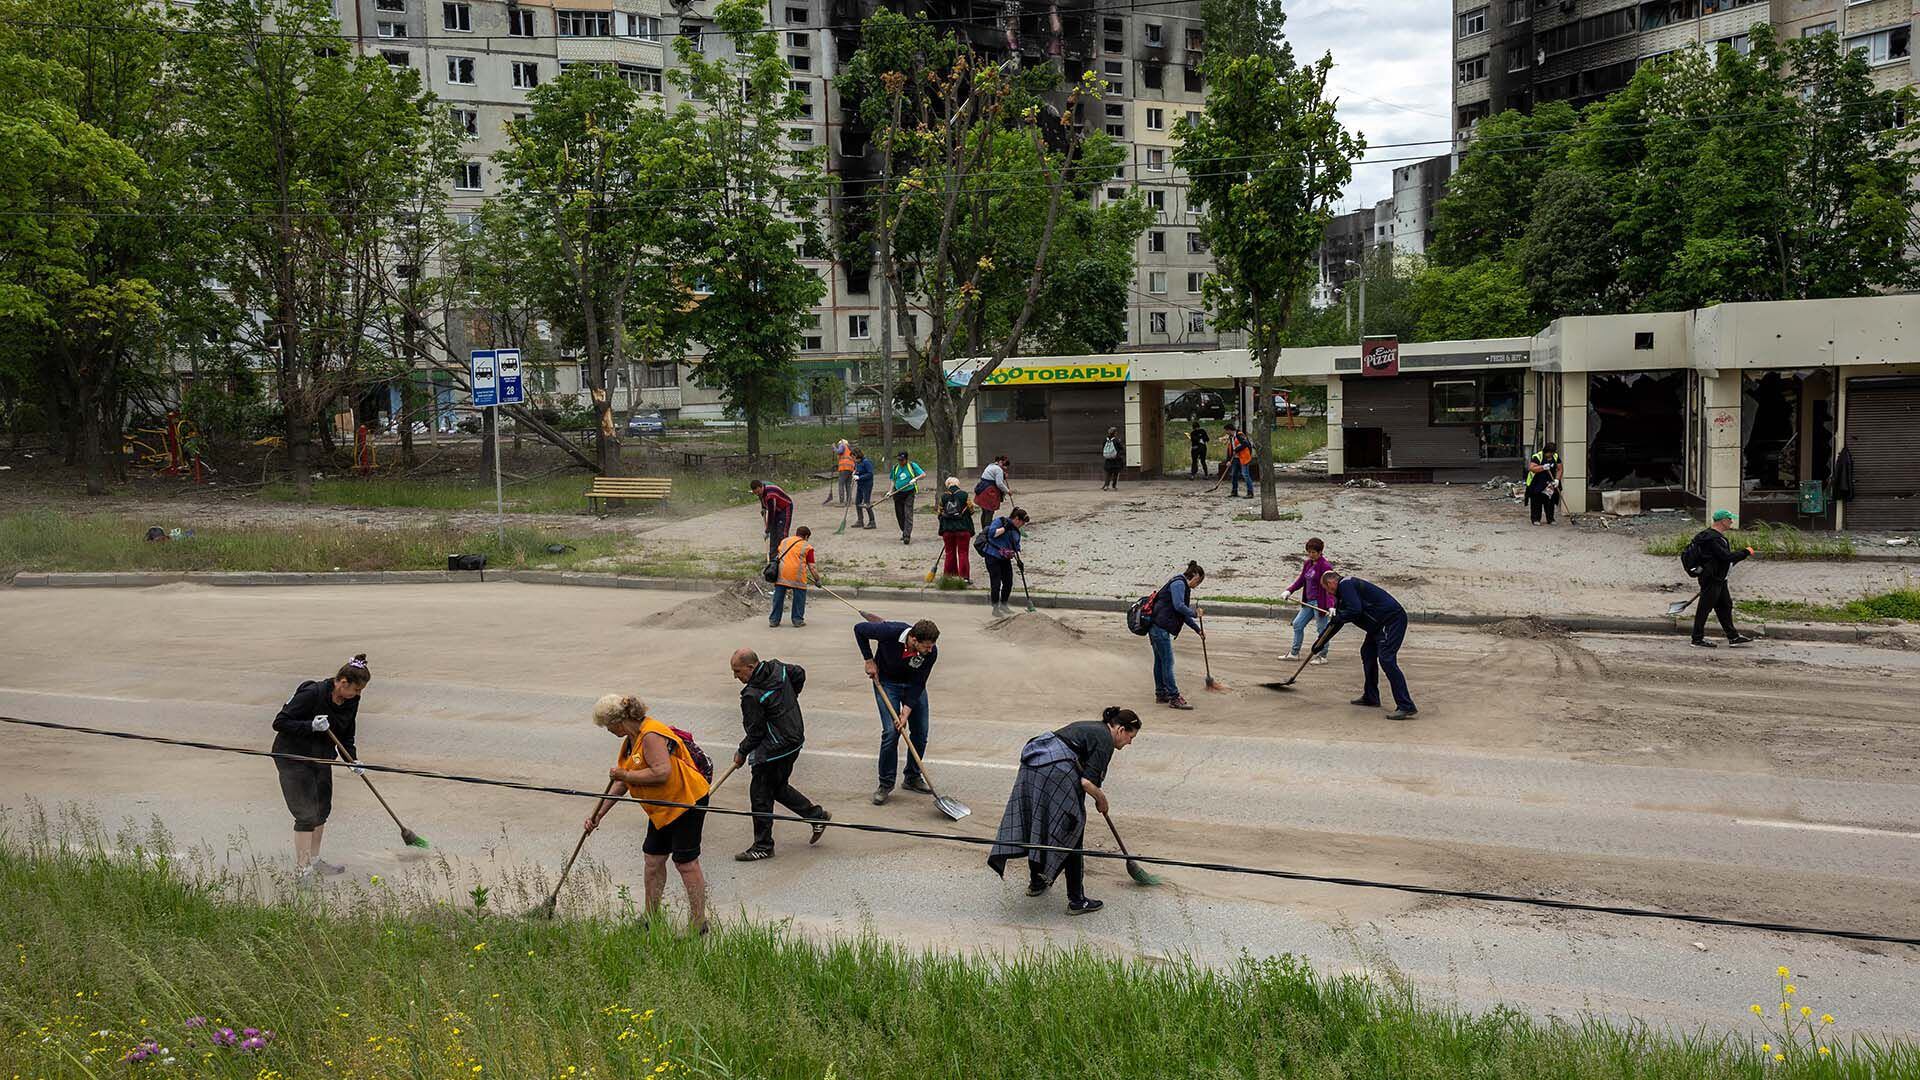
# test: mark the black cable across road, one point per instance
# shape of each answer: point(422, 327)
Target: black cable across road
point(983, 841)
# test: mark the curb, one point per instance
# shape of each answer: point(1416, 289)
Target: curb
point(1600, 624)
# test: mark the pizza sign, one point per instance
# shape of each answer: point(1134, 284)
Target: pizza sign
point(1380, 356)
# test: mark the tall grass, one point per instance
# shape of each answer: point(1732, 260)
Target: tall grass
point(1773, 541)
point(382, 979)
point(1289, 444)
point(1899, 604)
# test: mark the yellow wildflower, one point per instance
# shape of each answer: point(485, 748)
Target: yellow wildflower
point(1766, 1048)
point(1805, 1011)
point(1779, 1057)
point(1782, 972)
point(1824, 1052)
point(1791, 988)
point(1757, 1010)
point(1826, 1018)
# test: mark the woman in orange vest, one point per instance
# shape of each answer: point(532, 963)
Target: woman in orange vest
point(796, 572)
point(655, 764)
point(843, 463)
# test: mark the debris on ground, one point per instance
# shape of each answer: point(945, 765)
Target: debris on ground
point(730, 604)
point(1033, 628)
point(1899, 541)
point(1364, 482)
point(1531, 627)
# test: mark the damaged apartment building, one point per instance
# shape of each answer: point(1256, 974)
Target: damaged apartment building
point(482, 57)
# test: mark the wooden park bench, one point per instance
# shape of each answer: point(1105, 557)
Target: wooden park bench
point(644, 488)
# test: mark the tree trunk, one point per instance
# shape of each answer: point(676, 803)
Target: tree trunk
point(299, 443)
point(1263, 426)
point(91, 435)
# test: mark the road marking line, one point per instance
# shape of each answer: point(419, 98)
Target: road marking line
point(1814, 826)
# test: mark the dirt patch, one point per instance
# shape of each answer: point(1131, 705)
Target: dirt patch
point(1532, 628)
point(1892, 639)
point(731, 604)
point(1033, 628)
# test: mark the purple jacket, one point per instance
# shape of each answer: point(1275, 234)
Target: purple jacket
point(1309, 581)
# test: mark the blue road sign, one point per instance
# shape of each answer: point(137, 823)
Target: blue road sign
point(512, 391)
point(484, 371)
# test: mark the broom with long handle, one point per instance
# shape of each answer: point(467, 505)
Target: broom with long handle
point(408, 836)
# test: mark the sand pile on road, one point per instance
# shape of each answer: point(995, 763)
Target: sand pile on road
point(1533, 627)
point(1892, 639)
point(1033, 628)
point(731, 604)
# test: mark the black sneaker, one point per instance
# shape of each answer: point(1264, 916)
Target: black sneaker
point(799, 622)
point(1403, 714)
point(880, 795)
point(1739, 639)
point(1365, 702)
point(918, 784)
point(1036, 888)
point(1702, 643)
point(754, 854)
point(1084, 907)
point(819, 827)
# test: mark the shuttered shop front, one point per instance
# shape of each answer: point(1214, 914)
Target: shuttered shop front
point(1883, 424)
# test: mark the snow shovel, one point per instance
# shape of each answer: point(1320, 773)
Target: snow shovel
point(1679, 606)
point(1304, 661)
point(954, 809)
point(407, 836)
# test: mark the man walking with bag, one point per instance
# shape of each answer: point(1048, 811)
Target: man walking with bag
point(775, 731)
point(1714, 558)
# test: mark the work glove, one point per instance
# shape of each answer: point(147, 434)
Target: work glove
point(358, 770)
point(320, 723)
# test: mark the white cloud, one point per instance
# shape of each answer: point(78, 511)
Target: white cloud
point(1392, 75)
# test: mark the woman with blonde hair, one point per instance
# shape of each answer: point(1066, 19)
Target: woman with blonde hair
point(655, 763)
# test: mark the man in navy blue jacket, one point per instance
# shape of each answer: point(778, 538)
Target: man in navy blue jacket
point(899, 659)
point(1374, 610)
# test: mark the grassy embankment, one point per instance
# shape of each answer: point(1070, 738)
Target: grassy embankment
point(45, 540)
point(1899, 604)
point(1773, 541)
point(152, 955)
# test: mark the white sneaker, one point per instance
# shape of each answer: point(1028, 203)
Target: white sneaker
point(1319, 660)
point(322, 866)
point(1290, 656)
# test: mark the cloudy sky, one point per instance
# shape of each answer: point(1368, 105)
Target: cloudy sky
point(1391, 69)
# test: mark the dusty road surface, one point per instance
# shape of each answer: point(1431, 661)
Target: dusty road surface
point(1437, 548)
point(1776, 783)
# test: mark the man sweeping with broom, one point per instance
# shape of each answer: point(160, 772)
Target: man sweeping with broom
point(1048, 807)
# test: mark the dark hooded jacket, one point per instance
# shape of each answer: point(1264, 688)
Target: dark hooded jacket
point(770, 710)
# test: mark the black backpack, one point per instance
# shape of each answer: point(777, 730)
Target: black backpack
point(1140, 614)
point(1692, 559)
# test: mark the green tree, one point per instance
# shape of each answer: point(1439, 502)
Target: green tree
point(306, 149)
point(1570, 259)
point(1266, 159)
point(1488, 197)
point(980, 164)
point(112, 287)
point(586, 167)
point(751, 207)
point(1485, 298)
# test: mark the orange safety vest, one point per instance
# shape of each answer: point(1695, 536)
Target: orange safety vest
point(843, 457)
point(684, 784)
point(793, 563)
point(1245, 451)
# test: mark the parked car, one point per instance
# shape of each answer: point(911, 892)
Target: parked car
point(646, 424)
point(1283, 407)
point(1198, 405)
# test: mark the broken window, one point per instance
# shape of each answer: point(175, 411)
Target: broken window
point(1489, 402)
point(1786, 428)
point(1636, 429)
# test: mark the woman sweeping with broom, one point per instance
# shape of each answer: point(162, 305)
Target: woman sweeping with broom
point(1058, 770)
point(316, 720)
point(656, 763)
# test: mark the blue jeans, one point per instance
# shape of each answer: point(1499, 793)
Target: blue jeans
point(780, 603)
point(903, 696)
point(1163, 684)
point(1382, 650)
point(1300, 621)
point(1237, 472)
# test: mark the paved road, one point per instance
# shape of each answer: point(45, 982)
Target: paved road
point(1491, 793)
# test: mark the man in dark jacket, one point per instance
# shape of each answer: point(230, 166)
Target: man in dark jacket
point(1717, 557)
point(899, 658)
point(775, 731)
point(1197, 453)
point(1374, 610)
point(1173, 608)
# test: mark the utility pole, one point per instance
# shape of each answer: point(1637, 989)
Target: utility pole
point(886, 373)
point(1363, 301)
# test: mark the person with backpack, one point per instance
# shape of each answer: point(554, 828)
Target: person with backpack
point(1047, 810)
point(776, 514)
point(796, 571)
point(843, 472)
point(863, 492)
point(320, 711)
point(1172, 608)
point(657, 762)
point(1197, 455)
point(899, 657)
point(1710, 558)
point(956, 530)
point(775, 731)
point(1544, 471)
point(906, 485)
point(1315, 603)
point(999, 547)
point(1374, 610)
point(1240, 467)
point(1113, 457)
point(992, 490)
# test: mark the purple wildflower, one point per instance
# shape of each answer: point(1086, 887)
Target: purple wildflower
point(225, 1037)
point(196, 1021)
point(142, 1052)
point(250, 1032)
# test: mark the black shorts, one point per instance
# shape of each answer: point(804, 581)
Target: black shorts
point(308, 790)
point(680, 839)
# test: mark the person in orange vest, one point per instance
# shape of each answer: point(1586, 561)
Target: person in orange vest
point(1241, 467)
point(654, 763)
point(843, 465)
point(795, 573)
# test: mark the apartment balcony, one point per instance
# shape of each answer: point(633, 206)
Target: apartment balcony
point(610, 50)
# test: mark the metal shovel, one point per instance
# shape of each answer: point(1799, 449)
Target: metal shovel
point(1679, 606)
point(1304, 661)
point(954, 809)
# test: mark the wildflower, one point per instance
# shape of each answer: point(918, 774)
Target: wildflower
point(1826, 1018)
point(196, 1021)
point(1782, 972)
point(1805, 1011)
point(1779, 1057)
point(1766, 1048)
point(373, 879)
point(481, 947)
point(1825, 1052)
point(1757, 1010)
point(1791, 988)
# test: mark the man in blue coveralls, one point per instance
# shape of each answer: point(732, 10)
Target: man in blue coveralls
point(1374, 610)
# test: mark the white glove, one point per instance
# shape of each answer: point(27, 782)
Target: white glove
point(357, 770)
point(320, 723)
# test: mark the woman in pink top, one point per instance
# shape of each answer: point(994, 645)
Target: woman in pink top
point(1315, 606)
